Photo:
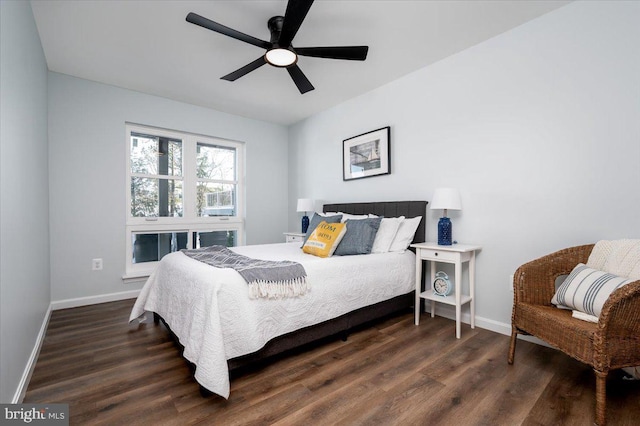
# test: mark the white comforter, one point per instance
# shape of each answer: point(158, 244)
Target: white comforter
point(210, 312)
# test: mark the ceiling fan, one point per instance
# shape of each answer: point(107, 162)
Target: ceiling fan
point(279, 51)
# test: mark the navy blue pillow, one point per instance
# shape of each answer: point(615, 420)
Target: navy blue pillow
point(315, 221)
point(359, 236)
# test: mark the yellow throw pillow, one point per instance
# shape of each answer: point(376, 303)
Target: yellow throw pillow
point(324, 239)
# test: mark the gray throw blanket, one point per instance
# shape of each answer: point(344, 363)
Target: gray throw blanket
point(266, 278)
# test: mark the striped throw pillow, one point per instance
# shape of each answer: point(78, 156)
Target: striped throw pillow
point(586, 289)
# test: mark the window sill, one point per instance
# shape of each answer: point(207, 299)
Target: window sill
point(136, 278)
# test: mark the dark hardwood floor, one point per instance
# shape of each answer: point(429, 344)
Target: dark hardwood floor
point(391, 373)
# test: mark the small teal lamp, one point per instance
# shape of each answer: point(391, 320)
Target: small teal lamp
point(445, 199)
point(305, 205)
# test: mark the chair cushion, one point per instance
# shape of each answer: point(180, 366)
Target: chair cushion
point(558, 328)
point(618, 257)
point(587, 289)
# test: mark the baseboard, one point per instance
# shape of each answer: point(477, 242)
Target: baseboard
point(94, 300)
point(487, 324)
point(18, 397)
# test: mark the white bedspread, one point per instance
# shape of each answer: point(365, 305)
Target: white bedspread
point(210, 312)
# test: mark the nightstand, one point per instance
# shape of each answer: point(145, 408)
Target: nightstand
point(294, 237)
point(456, 254)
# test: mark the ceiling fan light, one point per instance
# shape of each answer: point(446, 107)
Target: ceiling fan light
point(281, 57)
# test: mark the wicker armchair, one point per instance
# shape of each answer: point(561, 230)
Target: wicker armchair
point(612, 343)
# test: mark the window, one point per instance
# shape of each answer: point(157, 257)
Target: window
point(183, 191)
point(216, 173)
point(156, 176)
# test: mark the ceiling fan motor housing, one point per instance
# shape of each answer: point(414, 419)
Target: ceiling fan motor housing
point(279, 56)
point(275, 27)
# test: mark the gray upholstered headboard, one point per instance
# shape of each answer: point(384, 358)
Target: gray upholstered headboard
point(386, 209)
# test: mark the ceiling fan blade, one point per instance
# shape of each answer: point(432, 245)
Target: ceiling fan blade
point(352, 53)
point(293, 17)
point(303, 83)
point(219, 28)
point(245, 70)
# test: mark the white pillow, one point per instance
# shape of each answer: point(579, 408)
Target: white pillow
point(586, 289)
point(405, 234)
point(346, 216)
point(386, 233)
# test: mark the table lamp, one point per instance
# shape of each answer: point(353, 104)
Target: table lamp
point(305, 205)
point(445, 199)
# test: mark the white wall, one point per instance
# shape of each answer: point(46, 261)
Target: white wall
point(87, 176)
point(24, 194)
point(539, 128)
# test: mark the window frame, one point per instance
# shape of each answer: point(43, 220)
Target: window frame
point(189, 221)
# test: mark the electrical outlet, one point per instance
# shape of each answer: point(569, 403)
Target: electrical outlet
point(96, 265)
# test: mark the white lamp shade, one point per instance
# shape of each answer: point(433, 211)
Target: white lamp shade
point(446, 198)
point(305, 205)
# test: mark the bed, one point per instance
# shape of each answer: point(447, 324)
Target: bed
point(221, 329)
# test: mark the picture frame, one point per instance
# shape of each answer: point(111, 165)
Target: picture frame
point(367, 155)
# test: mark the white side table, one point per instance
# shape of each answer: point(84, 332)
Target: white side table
point(294, 237)
point(456, 254)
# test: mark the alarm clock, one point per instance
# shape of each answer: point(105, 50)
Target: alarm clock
point(441, 284)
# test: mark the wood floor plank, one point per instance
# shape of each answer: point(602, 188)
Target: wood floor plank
point(395, 407)
point(512, 398)
point(391, 373)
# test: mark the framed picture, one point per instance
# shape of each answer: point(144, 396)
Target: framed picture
point(366, 155)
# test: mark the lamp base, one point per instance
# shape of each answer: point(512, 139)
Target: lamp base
point(305, 224)
point(444, 231)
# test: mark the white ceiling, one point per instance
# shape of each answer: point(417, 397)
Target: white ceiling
point(148, 46)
